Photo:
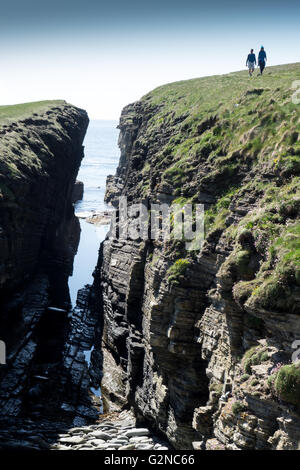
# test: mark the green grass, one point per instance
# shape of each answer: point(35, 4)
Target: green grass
point(244, 377)
point(220, 127)
point(21, 158)
point(225, 95)
point(234, 138)
point(238, 407)
point(24, 110)
point(287, 383)
point(177, 270)
point(215, 216)
point(253, 357)
point(275, 231)
point(217, 388)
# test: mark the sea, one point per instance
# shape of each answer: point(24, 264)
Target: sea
point(101, 157)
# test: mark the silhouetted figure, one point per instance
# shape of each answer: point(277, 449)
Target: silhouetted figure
point(262, 58)
point(251, 62)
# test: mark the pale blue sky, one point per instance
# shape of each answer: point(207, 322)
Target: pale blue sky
point(102, 55)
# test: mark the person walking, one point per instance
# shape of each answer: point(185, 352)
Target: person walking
point(262, 59)
point(251, 62)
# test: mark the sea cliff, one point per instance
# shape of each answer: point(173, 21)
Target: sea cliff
point(200, 343)
point(40, 154)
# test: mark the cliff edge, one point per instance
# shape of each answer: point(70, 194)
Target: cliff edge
point(201, 343)
point(40, 154)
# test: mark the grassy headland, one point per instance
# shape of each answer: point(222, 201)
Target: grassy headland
point(237, 140)
point(10, 113)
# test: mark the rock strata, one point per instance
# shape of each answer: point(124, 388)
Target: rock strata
point(195, 341)
point(41, 151)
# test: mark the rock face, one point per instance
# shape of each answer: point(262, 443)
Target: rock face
point(40, 158)
point(78, 190)
point(41, 151)
point(200, 353)
point(81, 364)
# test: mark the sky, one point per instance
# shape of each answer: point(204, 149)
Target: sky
point(101, 55)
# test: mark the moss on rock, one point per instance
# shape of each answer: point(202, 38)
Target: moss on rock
point(287, 383)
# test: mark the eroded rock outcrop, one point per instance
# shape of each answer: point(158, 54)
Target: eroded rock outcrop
point(204, 354)
point(41, 151)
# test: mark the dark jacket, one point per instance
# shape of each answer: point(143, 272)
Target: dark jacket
point(251, 58)
point(262, 56)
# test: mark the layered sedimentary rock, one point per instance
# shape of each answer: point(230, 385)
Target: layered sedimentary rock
point(41, 151)
point(40, 157)
point(200, 343)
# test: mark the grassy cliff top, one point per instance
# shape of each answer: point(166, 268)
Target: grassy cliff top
point(23, 110)
point(220, 92)
point(211, 119)
point(232, 142)
point(29, 135)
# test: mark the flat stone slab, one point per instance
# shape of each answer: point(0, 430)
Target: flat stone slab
point(144, 446)
point(101, 435)
point(96, 442)
point(137, 439)
point(72, 440)
point(137, 432)
point(62, 447)
point(127, 447)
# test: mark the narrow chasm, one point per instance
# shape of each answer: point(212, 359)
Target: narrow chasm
point(145, 343)
point(53, 364)
point(51, 316)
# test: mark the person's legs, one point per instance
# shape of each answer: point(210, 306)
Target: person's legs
point(261, 66)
